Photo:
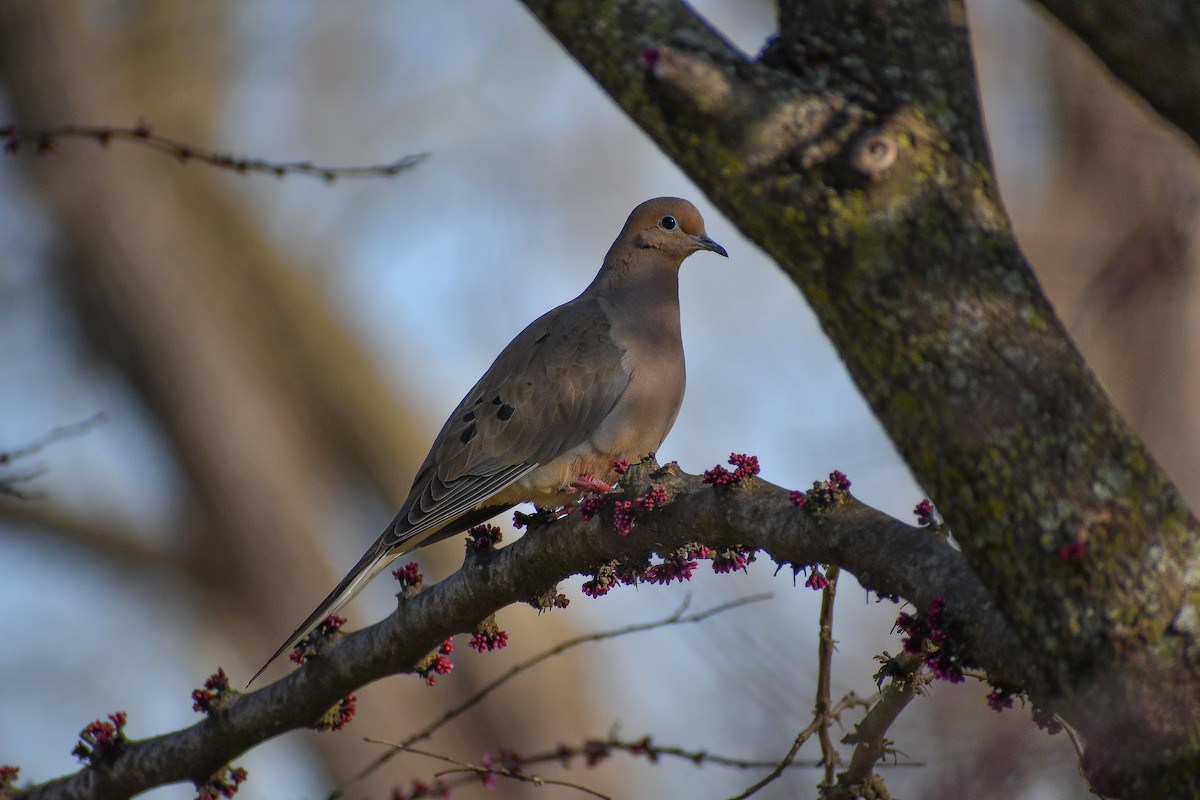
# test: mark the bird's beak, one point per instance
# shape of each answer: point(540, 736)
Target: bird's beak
point(705, 243)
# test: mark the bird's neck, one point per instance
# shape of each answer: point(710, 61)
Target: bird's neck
point(647, 294)
point(636, 280)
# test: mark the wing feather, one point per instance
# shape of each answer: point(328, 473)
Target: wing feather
point(544, 395)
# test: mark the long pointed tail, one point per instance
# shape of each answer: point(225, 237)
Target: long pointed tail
point(387, 548)
point(371, 564)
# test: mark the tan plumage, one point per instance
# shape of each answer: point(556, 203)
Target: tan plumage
point(598, 379)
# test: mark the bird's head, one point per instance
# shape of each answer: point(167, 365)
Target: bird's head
point(669, 225)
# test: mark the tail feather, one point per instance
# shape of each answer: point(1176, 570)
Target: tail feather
point(371, 564)
point(387, 548)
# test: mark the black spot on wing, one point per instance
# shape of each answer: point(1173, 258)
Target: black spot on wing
point(505, 413)
point(468, 434)
point(469, 416)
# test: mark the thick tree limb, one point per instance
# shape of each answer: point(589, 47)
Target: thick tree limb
point(885, 554)
point(854, 153)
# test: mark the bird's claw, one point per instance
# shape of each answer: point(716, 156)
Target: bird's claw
point(589, 483)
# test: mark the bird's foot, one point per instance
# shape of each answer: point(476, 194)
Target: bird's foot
point(589, 483)
point(540, 516)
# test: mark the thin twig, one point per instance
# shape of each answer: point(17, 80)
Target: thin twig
point(869, 735)
point(51, 436)
point(594, 751)
point(44, 140)
point(678, 617)
point(1078, 745)
point(646, 747)
point(820, 721)
point(825, 646)
point(8, 482)
point(493, 770)
point(593, 748)
point(783, 764)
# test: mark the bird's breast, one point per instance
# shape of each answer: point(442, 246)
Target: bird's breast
point(635, 427)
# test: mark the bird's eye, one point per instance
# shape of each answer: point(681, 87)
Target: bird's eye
point(668, 223)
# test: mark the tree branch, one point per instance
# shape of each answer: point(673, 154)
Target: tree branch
point(885, 554)
point(44, 140)
point(869, 735)
point(824, 705)
point(8, 483)
point(677, 618)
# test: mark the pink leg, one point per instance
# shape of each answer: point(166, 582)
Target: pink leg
point(588, 483)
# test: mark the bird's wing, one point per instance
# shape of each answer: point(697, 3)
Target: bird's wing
point(545, 393)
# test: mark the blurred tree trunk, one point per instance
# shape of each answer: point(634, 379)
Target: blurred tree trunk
point(261, 392)
point(1154, 48)
point(1115, 245)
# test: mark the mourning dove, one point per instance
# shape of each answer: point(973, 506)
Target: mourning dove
point(596, 380)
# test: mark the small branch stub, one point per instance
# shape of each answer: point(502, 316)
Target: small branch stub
point(875, 154)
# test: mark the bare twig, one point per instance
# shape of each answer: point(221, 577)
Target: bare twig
point(825, 646)
point(491, 770)
point(599, 748)
point(593, 748)
point(44, 140)
point(595, 751)
point(783, 764)
point(50, 437)
point(678, 617)
point(1073, 735)
point(869, 735)
point(8, 482)
point(825, 713)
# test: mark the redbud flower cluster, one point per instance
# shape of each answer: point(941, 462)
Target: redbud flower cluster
point(483, 538)
point(677, 566)
point(624, 511)
point(437, 663)
point(224, 784)
point(508, 761)
point(732, 560)
point(1044, 719)
point(303, 650)
point(816, 580)
point(339, 716)
point(936, 627)
point(8, 776)
point(102, 741)
point(744, 467)
point(1073, 553)
point(823, 493)
point(488, 641)
point(1000, 698)
point(409, 576)
point(215, 686)
point(420, 790)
